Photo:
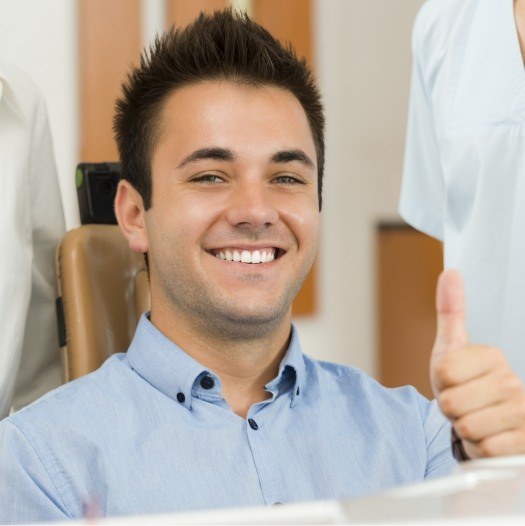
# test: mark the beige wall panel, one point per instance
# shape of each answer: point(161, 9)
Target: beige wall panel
point(305, 302)
point(409, 264)
point(109, 42)
point(181, 12)
point(288, 20)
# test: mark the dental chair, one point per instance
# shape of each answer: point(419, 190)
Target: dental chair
point(103, 289)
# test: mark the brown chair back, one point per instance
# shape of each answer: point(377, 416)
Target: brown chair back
point(103, 289)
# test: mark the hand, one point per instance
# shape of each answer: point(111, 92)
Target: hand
point(474, 385)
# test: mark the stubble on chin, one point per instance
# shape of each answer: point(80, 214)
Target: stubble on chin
point(220, 319)
point(215, 316)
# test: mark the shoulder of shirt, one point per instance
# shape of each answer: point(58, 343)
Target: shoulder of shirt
point(359, 380)
point(437, 20)
point(94, 388)
point(331, 368)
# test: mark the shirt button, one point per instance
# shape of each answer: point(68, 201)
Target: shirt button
point(181, 398)
point(207, 382)
point(253, 424)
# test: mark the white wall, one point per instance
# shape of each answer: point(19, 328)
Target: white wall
point(363, 57)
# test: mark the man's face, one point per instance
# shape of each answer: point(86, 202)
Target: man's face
point(234, 223)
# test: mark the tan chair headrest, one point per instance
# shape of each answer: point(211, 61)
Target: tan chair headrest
point(104, 289)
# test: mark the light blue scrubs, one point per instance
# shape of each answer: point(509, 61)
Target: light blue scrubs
point(464, 176)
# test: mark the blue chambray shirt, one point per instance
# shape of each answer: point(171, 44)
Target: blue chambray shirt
point(149, 432)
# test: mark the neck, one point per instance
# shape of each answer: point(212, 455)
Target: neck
point(244, 364)
point(519, 15)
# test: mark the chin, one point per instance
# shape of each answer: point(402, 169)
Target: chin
point(247, 321)
point(247, 316)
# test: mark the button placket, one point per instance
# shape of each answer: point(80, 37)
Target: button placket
point(259, 440)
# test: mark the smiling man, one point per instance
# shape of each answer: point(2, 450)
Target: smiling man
point(232, 229)
point(220, 133)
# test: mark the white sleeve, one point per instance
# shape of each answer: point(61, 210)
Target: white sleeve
point(423, 188)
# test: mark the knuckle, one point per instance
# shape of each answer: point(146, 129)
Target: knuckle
point(487, 448)
point(520, 412)
point(512, 384)
point(447, 403)
point(445, 370)
point(465, 429)
point(498, 357)
point(492, 355)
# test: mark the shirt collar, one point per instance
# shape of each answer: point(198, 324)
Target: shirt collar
point(176, 374)
point(292, 371)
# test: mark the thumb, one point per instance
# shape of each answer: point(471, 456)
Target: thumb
point(451, 313)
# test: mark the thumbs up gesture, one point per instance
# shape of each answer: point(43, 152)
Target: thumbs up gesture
point(474, 385)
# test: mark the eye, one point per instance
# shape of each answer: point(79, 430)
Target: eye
point(208, 179)
point(288, 180)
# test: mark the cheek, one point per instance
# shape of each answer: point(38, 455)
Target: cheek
point(304, 220)
point(176, 224)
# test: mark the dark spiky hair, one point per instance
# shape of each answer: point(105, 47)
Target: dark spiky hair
point(225, 45)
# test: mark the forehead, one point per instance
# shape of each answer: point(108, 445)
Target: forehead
point(233, 115)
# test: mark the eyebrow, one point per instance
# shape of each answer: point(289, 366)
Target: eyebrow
point(215, 154)
point(225, 154)
point(288, 156)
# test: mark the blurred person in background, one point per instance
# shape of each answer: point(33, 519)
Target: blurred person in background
point(31, 225)
point(464, 173)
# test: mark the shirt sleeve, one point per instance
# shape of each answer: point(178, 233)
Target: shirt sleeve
point(27, 492)
point(423, 189)
point(440, 461)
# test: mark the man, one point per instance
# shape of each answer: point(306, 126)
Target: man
point(32, 223)
point(220, 132)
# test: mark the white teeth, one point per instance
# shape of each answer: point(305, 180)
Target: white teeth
point(245, 256)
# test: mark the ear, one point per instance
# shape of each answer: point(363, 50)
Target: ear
point(129, 209)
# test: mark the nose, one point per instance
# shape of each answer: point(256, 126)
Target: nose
point(251, 206)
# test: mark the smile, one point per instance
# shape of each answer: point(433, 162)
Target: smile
point(265, 255)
